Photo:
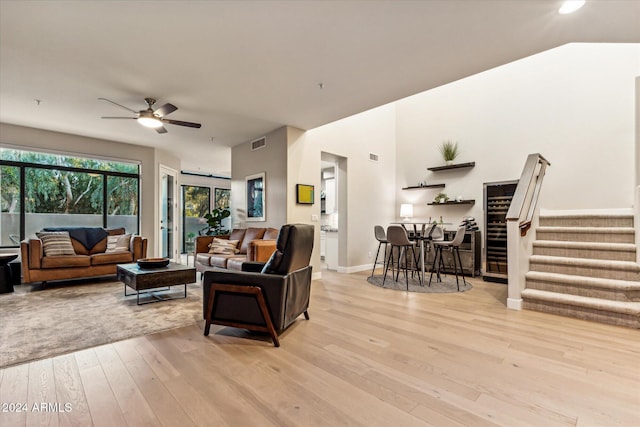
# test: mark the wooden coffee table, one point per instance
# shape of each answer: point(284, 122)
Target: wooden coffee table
point(152, 279)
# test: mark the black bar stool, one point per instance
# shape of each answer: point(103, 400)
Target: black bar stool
point(381, 237)
point(454, 247)
point(397, 238)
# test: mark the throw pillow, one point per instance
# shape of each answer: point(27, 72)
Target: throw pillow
point(223, 246)
point(56, 243)
point(118, 243)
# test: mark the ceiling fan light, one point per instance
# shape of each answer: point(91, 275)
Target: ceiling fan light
point(150, 122)
point(570, 6)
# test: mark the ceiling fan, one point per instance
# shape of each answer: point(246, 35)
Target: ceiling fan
point(153, 118)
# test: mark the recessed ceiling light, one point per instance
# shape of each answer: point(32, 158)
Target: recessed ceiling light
point(570, 6)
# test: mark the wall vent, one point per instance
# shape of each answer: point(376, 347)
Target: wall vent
point(374, 157)
point(258, 143)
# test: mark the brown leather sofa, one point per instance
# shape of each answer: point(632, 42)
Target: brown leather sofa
point(254, 244)
point(265, 297)
point(87, 262)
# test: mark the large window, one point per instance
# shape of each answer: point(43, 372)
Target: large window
point(10, 205)
point(122, 202)
point(196, 202)
point(62, 190)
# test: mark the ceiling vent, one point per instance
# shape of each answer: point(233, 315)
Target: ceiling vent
point(374, 157)
point(258, 143)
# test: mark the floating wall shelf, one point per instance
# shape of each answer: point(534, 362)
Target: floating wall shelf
point(417, 187)
point(457, 166)
point(464, 202)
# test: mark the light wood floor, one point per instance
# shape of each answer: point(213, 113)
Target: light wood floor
point(367, 357)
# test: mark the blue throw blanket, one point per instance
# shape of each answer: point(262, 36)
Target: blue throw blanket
point(88, 236)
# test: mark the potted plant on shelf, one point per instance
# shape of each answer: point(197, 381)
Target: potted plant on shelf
point(441, 198)
point(449, 150)
point(214, 222)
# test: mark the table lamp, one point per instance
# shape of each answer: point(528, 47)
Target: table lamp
point(406, 211)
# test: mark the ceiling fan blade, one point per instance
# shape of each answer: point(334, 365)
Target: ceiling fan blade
point(181, 123)
point(165, 109)
point(115, 103)
point(161, 129)
point(134, 118)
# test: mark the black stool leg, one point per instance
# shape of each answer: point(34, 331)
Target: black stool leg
point(386, 268)
point(400, 255)
point(406, 265)
point(376, 260)
point(433, 266)
point(461, 271)
point(417, 265)
point(455, 267)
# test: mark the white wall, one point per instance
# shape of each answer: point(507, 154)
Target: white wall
point(272, 160)
point(573, 104)
point(371, 187)
point(637, 118)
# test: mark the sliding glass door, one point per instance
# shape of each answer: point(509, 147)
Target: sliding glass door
point(195, 204)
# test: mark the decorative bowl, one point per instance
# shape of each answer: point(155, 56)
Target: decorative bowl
point(153, 262)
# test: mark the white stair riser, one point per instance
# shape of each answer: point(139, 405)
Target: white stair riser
point(586, 271)
point(585, 290)
point(585, 313)
point(585, 253)
point(595, 221)
point(585, 237)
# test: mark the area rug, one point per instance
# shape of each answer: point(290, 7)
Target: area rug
point(37, 323)
point(448, 284)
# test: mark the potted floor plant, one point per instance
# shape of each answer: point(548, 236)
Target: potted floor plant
point(449, 151)
point(214, 222)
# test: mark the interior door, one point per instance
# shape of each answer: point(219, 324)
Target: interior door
point(168, 230)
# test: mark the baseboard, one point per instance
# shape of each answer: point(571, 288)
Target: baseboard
point(355, 268)
point(514, 304)
point(316, 276)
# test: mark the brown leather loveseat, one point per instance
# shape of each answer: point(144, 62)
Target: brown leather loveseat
point(253, 244)
point(93, 251)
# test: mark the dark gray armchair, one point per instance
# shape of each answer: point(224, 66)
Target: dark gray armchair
point(264, 297)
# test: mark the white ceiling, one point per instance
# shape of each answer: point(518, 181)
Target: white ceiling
point(244, 68)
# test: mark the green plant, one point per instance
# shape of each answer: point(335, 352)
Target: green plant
point(440, 197)
point(191, 235)
point(214, 222)
point(449, 150)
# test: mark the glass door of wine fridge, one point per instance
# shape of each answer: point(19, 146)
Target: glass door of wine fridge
point(497, 199)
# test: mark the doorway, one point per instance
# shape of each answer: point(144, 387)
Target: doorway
point(168, 227)
point(333, 210)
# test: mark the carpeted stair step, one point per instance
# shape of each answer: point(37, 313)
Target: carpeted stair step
point(618, 270)
point(587, 220)
point(592, 250)
point(600, 310)
point(587, 234)
point(594, 287)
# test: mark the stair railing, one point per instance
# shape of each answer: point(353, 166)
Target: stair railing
point(522, 215)
point(636, 217)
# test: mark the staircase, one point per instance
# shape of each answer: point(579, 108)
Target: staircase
point(584, 266)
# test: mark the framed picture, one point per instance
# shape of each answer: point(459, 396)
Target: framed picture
point(222, 196)
point(256, 197)
point(304, 194)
